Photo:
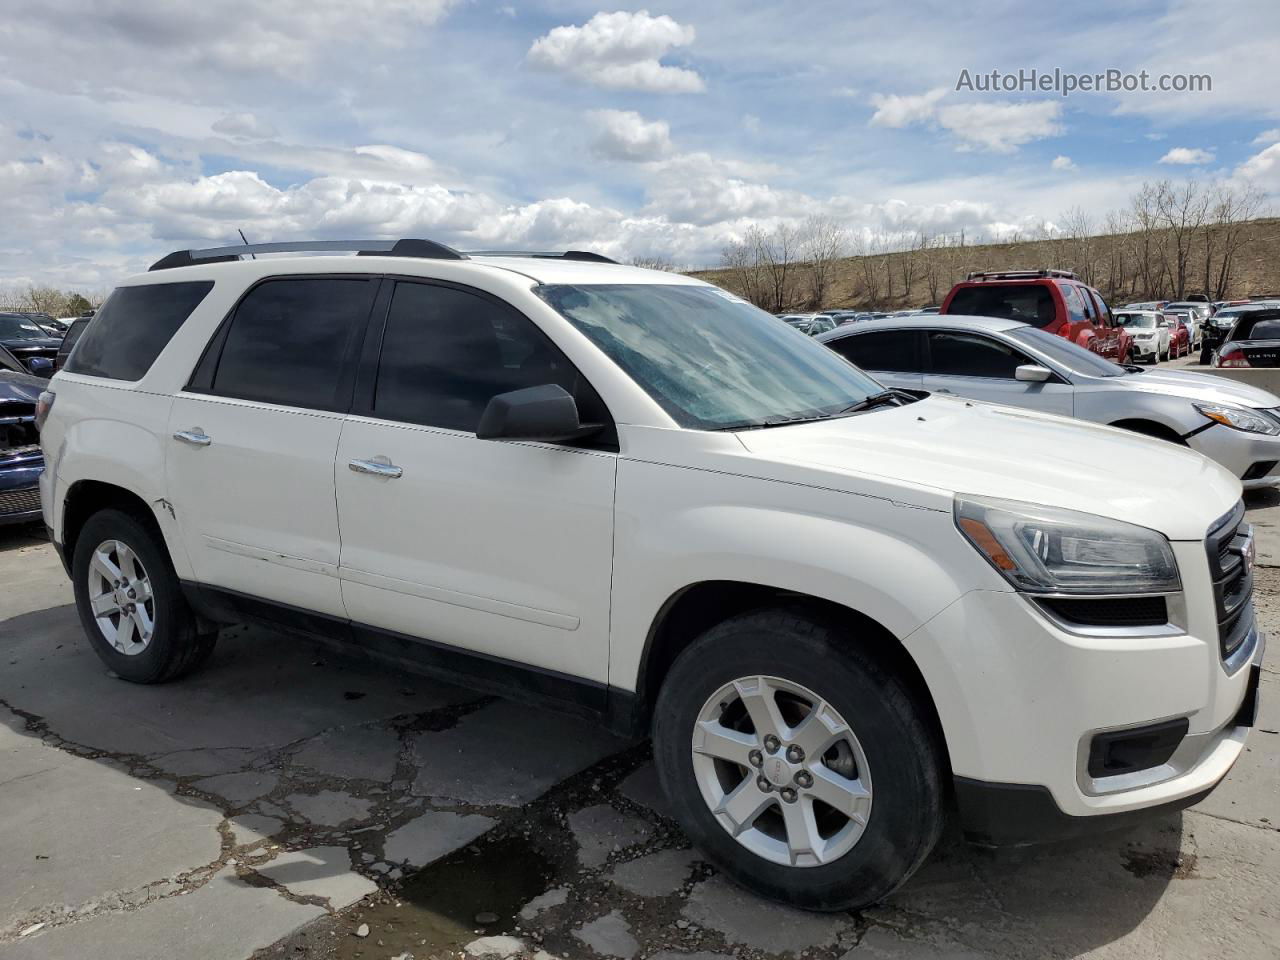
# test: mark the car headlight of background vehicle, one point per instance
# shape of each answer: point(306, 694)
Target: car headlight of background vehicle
point(1239, 418)
point(1045, 550)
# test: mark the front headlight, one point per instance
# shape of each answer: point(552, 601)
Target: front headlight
point(1239, 418)
point(1048, 550)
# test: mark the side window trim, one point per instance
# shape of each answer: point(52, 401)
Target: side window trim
point(205, 372)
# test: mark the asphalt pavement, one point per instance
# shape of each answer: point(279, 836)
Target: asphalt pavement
point(286, 802)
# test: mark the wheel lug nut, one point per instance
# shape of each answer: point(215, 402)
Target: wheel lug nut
point(795, 754)
point(764, 784)
point(788, 795)
point(771, 743)
point(804, 779)
point(756, 758)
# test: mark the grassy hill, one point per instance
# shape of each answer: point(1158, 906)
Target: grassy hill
point(1114, 263)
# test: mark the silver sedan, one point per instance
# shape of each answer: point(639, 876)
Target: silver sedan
point(1002, 361)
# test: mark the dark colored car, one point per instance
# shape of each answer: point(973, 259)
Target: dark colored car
point(1254, 340)
point(69, 341)
point(21, 461)
point(1052, 300)
point(29, 342)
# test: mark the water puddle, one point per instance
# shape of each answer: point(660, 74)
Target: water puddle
point(435, 911)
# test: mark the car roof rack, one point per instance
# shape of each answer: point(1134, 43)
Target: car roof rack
point(584, 255)
point(1020, 274)
point(425, 249)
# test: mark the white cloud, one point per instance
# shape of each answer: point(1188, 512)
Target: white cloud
point(244, 125)
point(625, 135)
point(1263, 169)
point(998, 126)
point(1187, 155)
point(1062, 162)
point(897, 111)
point(1002, 127)
point(620, 51)
point(1268, 136)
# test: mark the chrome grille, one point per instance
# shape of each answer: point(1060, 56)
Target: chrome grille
point(1229, 547)
point(20, 501)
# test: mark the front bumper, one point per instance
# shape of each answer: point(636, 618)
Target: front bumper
point(1021, 699)
point(1241, 453)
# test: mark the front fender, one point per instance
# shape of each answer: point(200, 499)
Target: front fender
point(895, 564)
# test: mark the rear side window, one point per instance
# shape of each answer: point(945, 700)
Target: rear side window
point(447, 352)
point(1024, 302)
point(291, 341)
point(890, 350)
point(1262, 325)
point(133, 326)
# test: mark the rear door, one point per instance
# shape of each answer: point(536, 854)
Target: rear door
point(252, 440)
point(891, 356)
point(984, 368)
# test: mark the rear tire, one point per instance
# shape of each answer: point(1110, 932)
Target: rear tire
point(130, 603)
point(885, 767)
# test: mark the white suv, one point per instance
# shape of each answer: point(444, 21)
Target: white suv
point(837, 609)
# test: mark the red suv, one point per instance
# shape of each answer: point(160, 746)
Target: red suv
point(1053, 300)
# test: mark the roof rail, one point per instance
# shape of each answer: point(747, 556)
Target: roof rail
point(425, 249)
point(585, 255)
point(1020, 274)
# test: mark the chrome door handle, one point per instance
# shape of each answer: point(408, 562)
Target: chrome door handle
point(196, 437)
point(378, 467)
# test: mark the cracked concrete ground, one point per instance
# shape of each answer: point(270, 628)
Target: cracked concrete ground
point(283, 800)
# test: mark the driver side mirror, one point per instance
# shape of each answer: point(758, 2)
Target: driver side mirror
point(40, 366)
point(1032, 373)
point(546, 413)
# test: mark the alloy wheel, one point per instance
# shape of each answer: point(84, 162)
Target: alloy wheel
point(120, 597)
point(781, 771)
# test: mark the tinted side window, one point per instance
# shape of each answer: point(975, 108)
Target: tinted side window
point(133, 326)
point(1104, 312)
point(289, 342)
point(1075, 305)
point(890, 350)
point(967, 355)
point(447, 352)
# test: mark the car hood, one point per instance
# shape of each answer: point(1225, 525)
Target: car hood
point(1206, 387)
point(40, 343)
point(21, 386)
point(942, 446)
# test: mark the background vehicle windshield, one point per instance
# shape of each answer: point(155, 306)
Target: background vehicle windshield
point(1135, 320)
point(1261, 325)
point(1072, 356)
point(1027, 303)
point(709, 359)
point(20, 328)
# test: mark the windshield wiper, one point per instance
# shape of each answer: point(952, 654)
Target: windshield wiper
point(897, 398)
point(1134, 368)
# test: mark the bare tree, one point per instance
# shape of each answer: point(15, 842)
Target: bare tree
point(823, 243)
point(654, 262)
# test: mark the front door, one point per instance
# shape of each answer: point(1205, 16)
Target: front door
point(983, 368)
point(494, 547)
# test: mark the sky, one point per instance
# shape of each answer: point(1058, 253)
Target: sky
point(131, 128)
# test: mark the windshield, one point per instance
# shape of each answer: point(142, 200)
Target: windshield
point(1259, 325)
point(1028, 303)
point(1135, 320)
point(1072, 356)
point(20, 328)
point(709, 359)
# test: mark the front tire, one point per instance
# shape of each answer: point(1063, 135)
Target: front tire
point(130, 603)
point(800, 764)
